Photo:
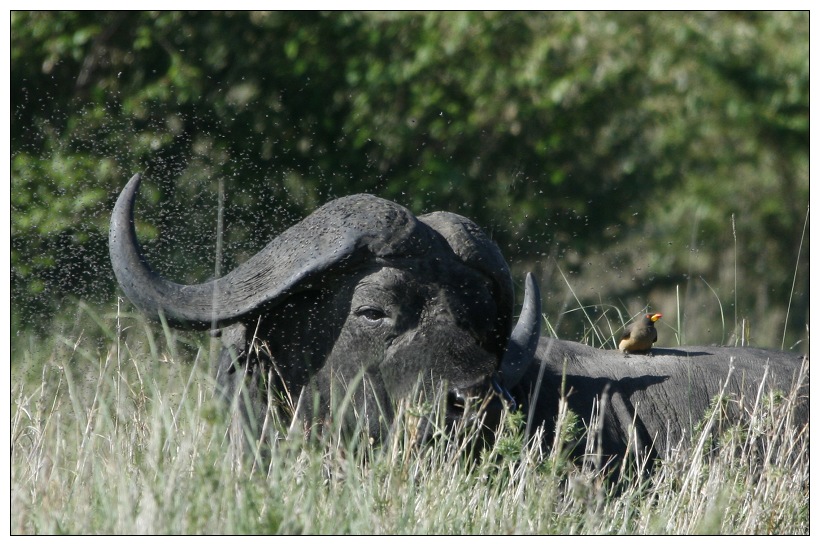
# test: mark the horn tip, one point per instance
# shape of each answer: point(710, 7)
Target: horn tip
point(135, 180)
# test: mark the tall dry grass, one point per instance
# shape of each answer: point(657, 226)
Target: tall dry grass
point(115, 431)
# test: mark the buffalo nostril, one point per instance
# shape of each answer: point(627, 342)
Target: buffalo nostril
point(456, 401)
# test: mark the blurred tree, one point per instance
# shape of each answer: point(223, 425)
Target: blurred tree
point(624, 140)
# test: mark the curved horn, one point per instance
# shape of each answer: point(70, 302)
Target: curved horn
point(524, 339)
point(472, 246)
point(350, 230)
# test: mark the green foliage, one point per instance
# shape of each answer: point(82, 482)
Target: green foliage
point(618, 144)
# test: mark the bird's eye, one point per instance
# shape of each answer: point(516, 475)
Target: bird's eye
point(372, 314)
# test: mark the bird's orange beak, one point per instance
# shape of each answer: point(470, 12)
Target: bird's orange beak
point(655, 317)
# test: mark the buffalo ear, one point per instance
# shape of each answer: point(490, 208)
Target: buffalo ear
point(234, 343)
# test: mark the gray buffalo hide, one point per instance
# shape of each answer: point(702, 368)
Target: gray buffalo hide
point(650, 404)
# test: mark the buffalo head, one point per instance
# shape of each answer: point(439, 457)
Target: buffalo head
point(361, 299)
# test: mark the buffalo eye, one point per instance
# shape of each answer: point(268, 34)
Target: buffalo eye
point(371, 314)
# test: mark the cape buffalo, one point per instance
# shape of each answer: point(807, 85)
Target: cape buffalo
point(362, 299)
